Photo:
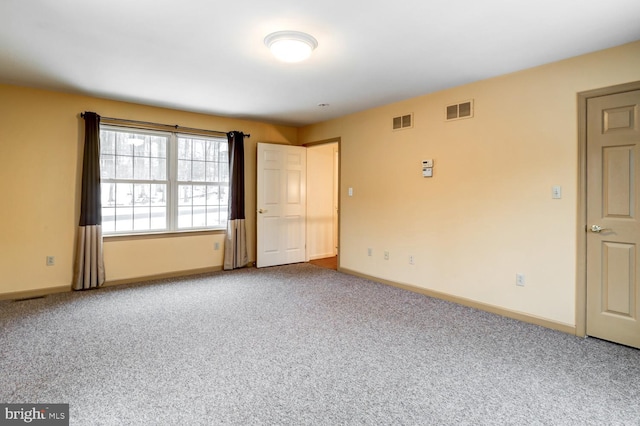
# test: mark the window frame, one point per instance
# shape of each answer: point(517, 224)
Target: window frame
point(172, 203)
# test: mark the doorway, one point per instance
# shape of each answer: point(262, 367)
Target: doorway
point(297, 203)
point(322, 203)
point(609, 232)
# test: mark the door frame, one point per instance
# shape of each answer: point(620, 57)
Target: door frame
point(337, 140)
point(581, 230)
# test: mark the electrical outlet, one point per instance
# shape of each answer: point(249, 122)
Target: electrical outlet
point(216, 246)
point(411, 260)
point(51, 260)
point(520, 280)
point(386, 255)
point(369, 251)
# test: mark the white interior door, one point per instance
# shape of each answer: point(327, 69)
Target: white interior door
point(281, 204)
point(613, 207)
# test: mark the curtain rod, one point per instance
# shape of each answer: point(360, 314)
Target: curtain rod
point(168, 126)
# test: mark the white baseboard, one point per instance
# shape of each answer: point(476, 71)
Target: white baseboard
point(321, 256)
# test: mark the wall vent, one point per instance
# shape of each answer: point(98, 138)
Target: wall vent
point(402, 122)
point(459, 111)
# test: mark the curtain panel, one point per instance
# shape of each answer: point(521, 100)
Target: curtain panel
point(235, 247)
point(89, 261)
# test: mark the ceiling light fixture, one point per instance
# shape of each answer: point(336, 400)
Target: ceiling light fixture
point(290, 46)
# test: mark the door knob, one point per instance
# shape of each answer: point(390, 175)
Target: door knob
point(262, 211)
point(597, 229)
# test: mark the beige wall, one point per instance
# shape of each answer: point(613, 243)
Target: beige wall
point(41, 137)
point(487, 213)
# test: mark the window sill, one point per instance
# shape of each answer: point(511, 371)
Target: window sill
point(154, 235)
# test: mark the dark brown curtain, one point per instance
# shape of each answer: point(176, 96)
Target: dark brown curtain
point(89, 263)
point(235, 247)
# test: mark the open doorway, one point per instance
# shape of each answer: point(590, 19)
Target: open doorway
point(322, 204)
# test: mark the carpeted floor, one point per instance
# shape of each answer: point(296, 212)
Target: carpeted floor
point(302, 345)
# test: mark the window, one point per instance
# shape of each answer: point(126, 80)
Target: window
point(203, 182)
point(159, 181)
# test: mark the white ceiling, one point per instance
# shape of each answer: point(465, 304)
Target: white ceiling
point(208, 56)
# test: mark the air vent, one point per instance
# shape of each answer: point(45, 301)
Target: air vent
point(403, 122)
point(459, 111)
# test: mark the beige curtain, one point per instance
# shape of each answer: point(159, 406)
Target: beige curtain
point(89, 263)
point(235, 248)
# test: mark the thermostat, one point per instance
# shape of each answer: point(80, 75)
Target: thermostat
point(427, 168)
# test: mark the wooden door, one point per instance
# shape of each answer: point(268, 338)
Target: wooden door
point(613, 226)
point(281, 204)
